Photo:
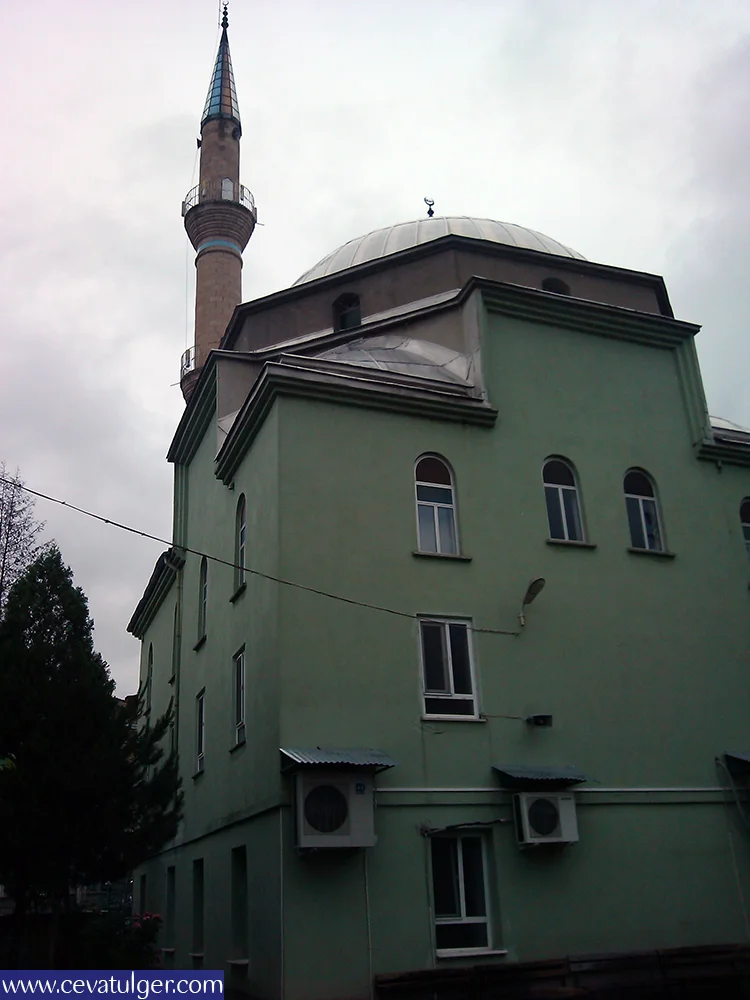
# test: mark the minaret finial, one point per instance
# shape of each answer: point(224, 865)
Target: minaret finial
point(429, 202)
point(225, 17)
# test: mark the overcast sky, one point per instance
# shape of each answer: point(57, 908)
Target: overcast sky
point(619, 128)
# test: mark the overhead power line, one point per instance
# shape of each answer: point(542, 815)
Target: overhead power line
point(236, 566)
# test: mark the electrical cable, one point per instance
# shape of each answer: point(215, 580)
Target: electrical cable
point(236, 566)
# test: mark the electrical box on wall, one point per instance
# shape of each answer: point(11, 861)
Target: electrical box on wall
point(545, 818)
point(335, 809)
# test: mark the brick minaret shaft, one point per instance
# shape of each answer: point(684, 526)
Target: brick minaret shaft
point(219, 215)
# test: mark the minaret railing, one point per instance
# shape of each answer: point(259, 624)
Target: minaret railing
point(213, 191)
point(187, 362)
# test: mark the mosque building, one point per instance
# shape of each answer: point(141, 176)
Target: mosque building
point(455, 618)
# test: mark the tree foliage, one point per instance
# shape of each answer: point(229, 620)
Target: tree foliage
point(92, 792)
point(18, 530)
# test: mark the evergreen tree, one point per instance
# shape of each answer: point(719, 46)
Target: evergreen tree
point(91, 792)
point(18, 530)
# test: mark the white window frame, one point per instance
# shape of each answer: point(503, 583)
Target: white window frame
point(745, 525)
point(239, 695)
point(463, 919)
point(203, 599)
point(200, 731)
point(435, 506)
point(449, 697)
point(657, 508)
point(240, 541)
point(560, 490)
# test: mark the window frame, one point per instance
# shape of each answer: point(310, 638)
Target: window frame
point(240, 543)
point(450, 697)
point(654, 499)
point(203, 600)
point(745, 524)
point(346, 307)
point(435, 505)
point(575, 489)
point(462, 919)
point(239, 703)
point(200, 731)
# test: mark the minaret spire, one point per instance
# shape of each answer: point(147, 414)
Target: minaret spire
point(219, 215)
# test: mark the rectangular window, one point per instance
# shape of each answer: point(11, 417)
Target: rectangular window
point(203, 599)
point(239, 904)
point(239, 697)
point(447, 669)
point(200, 731)
point(170, 910)
point(460, 894)
point(644, 523)
point(198, 906)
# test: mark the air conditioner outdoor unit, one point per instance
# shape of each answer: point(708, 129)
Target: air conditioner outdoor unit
point(545, 818)
point(335, 809)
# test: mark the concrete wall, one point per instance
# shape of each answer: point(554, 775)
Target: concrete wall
point(440, 271)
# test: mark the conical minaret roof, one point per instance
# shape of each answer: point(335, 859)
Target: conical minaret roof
point(222, 95)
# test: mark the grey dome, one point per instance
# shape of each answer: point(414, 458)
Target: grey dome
point(405, 235)
point(396, 353)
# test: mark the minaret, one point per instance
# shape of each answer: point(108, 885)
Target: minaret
point(219, 216)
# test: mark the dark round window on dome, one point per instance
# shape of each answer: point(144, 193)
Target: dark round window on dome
point(544, 817)
point(326, 808)
point(556, 285)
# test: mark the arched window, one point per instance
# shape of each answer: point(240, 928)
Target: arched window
point(745, 520)
point(556, 285)
point(240, 542)
point(203, 598)
point(436, 506)
point(643, 511)
point(149, 676)
point(563, 504)
point(347, 313)
point(227, 189)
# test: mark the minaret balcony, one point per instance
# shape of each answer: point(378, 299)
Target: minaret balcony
point(219, 191)
point(220, 215)
point(187, 362)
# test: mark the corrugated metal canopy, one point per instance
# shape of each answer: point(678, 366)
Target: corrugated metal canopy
point(337, 757)
point(515, 775)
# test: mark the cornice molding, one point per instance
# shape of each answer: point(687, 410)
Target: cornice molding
point(368, 388)
point(197, 416)
point(584, 315)
point(168, 565)
point(722, 451)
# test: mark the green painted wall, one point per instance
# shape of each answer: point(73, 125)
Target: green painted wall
point(228, 805)
point(640, 659)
